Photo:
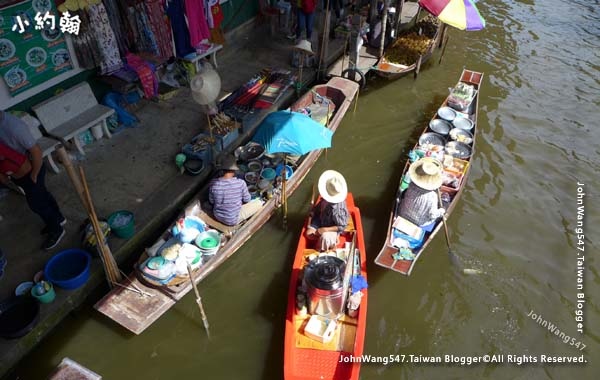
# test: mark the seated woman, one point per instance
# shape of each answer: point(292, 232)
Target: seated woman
point(229, 197)
point(420, 200)
point(329, 217)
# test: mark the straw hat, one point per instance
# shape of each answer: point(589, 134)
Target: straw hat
point(332, 186)
point(304, 46)
point(229, 163)
point(426, 173)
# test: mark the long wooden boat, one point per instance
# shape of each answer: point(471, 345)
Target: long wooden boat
point(136, 312)
point(388, 257)
point(305, 357)
point(390, 70)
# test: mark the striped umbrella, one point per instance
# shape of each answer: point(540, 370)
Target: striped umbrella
point(461, 14)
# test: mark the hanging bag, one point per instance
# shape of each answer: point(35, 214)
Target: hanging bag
point(10, 160)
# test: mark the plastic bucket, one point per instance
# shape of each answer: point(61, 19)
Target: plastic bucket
point(68, 269)
point(122, 229)
point(46, 297)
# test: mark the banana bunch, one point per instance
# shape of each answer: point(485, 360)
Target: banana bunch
point(406, 49)
point(223, 124)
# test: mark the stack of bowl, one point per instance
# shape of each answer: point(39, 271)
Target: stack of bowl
point(208, 242)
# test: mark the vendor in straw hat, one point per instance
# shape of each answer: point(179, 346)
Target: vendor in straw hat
point(420, 201)
point(329, 216)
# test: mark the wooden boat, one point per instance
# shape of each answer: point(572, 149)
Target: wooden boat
point(305, 357)
point(388, 256)
point(390, 70)
point(136, 312)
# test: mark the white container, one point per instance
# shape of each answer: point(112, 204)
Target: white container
point(97, 131)
point(320, 328)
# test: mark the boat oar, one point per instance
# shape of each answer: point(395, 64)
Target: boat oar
point(451, 254)
point(198, 300)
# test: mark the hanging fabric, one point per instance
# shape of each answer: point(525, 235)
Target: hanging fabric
point(85, 44)
point(216, 13)
point(148, 39)
point(145, 73)
point(118, 21)
point(181, 35)
point(160, 27)
point(194, 10)
point(105, 37)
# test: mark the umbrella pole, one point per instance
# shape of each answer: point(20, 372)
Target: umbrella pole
point(283, 190)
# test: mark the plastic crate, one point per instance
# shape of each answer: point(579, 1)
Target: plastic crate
point(223, 142)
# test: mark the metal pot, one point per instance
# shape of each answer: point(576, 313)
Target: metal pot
point(324, 278)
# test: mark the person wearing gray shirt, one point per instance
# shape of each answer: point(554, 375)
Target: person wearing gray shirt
point(16, 140)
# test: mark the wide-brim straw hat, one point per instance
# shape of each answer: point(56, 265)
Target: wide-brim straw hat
point(305, 46)
point(426, 173)
point(333, 187)
point(229, 163)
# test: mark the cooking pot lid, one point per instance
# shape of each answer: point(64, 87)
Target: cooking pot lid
point(326, 273)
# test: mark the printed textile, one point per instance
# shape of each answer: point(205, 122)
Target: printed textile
point(105, 37)
point(160, 27)
point(145, 73)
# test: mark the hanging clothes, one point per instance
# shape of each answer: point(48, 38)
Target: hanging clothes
point(216, 13)
point(145, 73)
point(181, 35)
point(194, 10)
point(148, 41)
point(160, 27)
point(105, 37)
point(85, 44)
point(118, 21)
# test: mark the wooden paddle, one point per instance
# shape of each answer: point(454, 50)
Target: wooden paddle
point(452, 256)
point(198, 300)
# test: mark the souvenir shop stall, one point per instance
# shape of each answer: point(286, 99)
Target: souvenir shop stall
point(128, 41)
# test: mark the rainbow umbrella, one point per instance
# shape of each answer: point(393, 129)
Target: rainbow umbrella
point(461, 14)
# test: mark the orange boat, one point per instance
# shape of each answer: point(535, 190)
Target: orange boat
point(335, 353)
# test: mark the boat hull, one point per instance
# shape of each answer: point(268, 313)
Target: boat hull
point(302, 363)
point(385, 257)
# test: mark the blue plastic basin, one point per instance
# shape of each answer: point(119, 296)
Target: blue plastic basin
point(68, 269)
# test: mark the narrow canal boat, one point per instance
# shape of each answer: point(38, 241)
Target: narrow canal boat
point(141, 300)
point(450, 137)
point(431, 32)
point(324, 337)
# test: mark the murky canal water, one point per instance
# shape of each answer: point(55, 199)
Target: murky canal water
point(539, 111)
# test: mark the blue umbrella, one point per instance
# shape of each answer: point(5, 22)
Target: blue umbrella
point(292, 133)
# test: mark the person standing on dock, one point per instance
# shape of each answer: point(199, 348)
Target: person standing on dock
point(306, 18)
point(22, 163)
point(329, 217)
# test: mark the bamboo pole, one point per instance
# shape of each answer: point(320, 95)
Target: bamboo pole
point(384, 17)
point(444, 48)
point(323, 49)
point(356, 101)
point(399, 6)
point(283, 190)
point(110, 266)
point(199, 301)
